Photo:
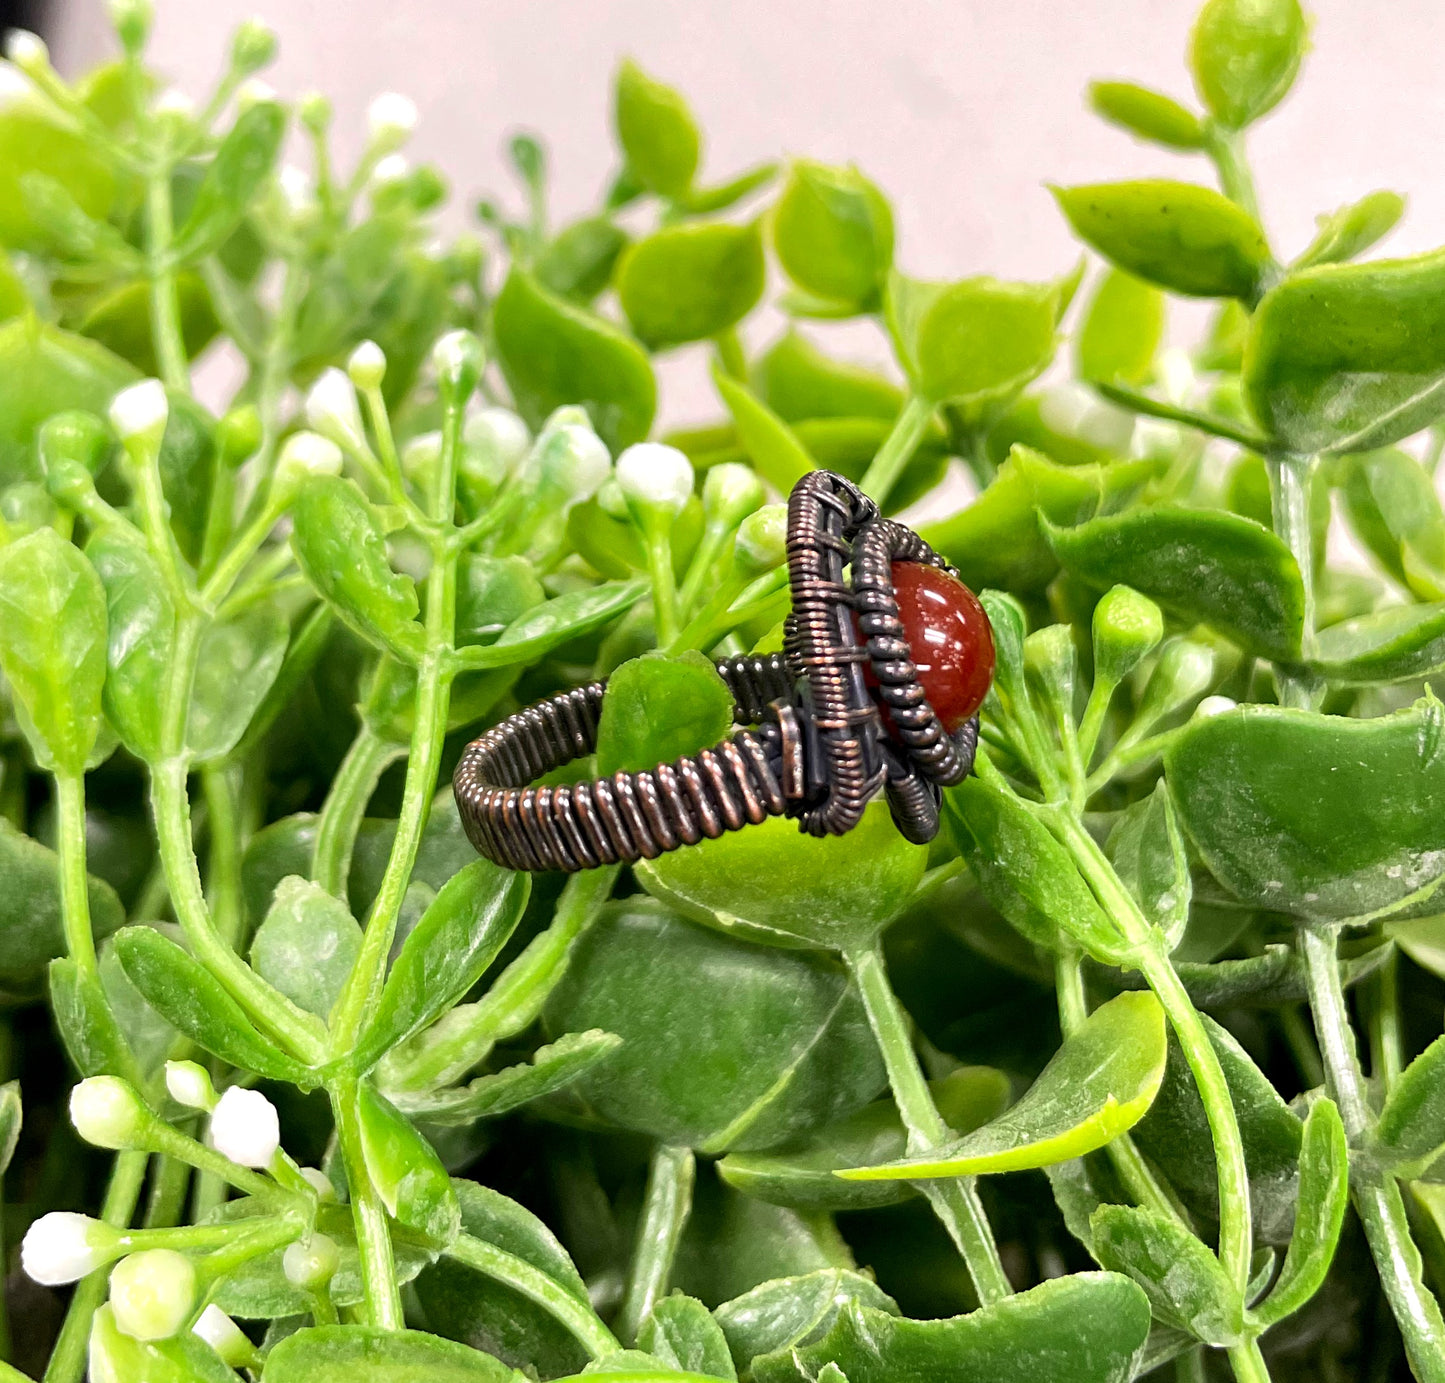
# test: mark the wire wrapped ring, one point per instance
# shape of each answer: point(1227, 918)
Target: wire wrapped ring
point(811, 744)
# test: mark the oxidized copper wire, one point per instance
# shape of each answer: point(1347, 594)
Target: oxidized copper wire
point(817, 751)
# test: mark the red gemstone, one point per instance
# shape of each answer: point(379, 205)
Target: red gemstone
point(950, 637)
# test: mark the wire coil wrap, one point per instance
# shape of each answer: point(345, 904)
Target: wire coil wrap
point(815, 748)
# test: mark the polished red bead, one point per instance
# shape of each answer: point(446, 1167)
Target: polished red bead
point(951, 641)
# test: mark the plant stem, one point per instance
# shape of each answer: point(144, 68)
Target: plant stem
point(67, 1360)
point(893, 456)
point(575, 1315)
point(1248, 1363)
point(221, 786)
point(1386, 1059)
point(165, 308)
point(665, 1209)
point(657, 541)
point(1375, 1193)
point(954, 1200)
point(373, 1237)
point(1289, 484)
point(1226, 150)
point(345, 806)
point(74, 886)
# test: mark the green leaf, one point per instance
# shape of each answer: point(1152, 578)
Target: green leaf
point(772, 884)
point(791, 1312)
point(1188, 239)
point(93, 1040)
point(797, 381)
point(243, 161)
point(551, 1068)
point(371, 1354)
point(1121, 331)
point(140, 619)
point(1391, 504)
point(10, 1118)
point(1025, 872)
point(554, 622)
point(975, 342)
point(1185, 1285)
point(445, 954)
point(189, 997)
point(1147, 114)
point(405, 1170)
point(1084, 1328)
point(1175, 1136)
point(184, 1358)
point(1411, 1130)
point(1422, 939)
point(187, 465)
point(1324, 1192)
point(32, 927)
point(578, 261)
point(488, 1314)
point(690, 282)
point(1244, 55)
point(52, 647)
point(658, 708)
point(1348, 357)
point(682, 1333)
point(705, 201)
point(802, 1177)
point(771, 445)
point(1352, 229)
point(1147, 852)
point(44, 371)
point(33, 140)
point(554, 353)
point(68, 231)
point(306, 945)
point(341, 546)
point(658, 134)
point(238, 662)
point(833, 234)
point(1396, 644)
point(790, 1050)
point(1098, 1085)
point(1202, 565)
point(1259, 789)
point(998, 542)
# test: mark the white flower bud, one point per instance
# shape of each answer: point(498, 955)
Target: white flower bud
point(730, 493)
point(1214, 706)
point(574, 462)
point(458, 359)
point(174, 104)
point(314, 111)
point(152, 1293)
point(654, 475)
point(254, 92)
point(224, 1336)
point(131, 20)
point(1176, 374)
point(245, 1128)
point(189, 1083)
point(319, 1182)
point(762, 541)
point(108, 1112)
point(390, 119)
point(15, 86)
point(331, 410)
point(253, 46)
point(27, 51)
point(303, 454)
point(311, 1263)
point(298, 191)
point(500, 433)
point(367, 366)
point(139, 413)
point(63, 1247)
point(420, 458)
point(610, 498)
point(392, 169)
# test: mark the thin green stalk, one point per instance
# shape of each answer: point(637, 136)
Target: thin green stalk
point(373, 1236)
point(165, 307)
point(1225, 148)
point(575, 1316)
point(221, 787)
point(1248, 1363)
point(67, 1360)
point(657, 542)
point(1386, 1045)
point(345, 806)
point(74, 887)
point(1289, 482)
point(464, 1037)
point(170, 1181)
point(730, 354)
point(1375, 1193)
point(954, 1200)
point(897, 449)
point(665, 1209)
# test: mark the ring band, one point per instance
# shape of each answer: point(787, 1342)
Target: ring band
point(813, 745)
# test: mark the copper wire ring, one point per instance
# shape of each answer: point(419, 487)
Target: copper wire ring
point(811, 743)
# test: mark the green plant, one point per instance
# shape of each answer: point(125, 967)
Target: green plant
point(769, 1108)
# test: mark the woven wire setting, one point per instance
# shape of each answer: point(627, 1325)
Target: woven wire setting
point(811, 742)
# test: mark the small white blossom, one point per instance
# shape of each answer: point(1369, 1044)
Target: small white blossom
point(331, 410)
point(304, 454)
point(392, 169)
point(27, 51)
point(297, 189)
point(762, 541)
point(224, 1336)
point(655, 475)
point(15, 86)
point(1176, 374)
point(319, 1181)
point(1214, 706)
point(63, 1247)
point(501, 433)
point(574, 462)
point(314, 111)
point(458, 359)
point(730, 493)
point(139, 413)
point(390, 119)
point(254, 92)
point(152, 1293)
point(189, 1083)
point(311, 1262)
point(107, 1112)
point(245, 1128)
point(174, 103)
point(254, 45)
point(367, 366)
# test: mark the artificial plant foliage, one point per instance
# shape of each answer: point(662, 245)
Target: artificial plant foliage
point(770, 1107)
